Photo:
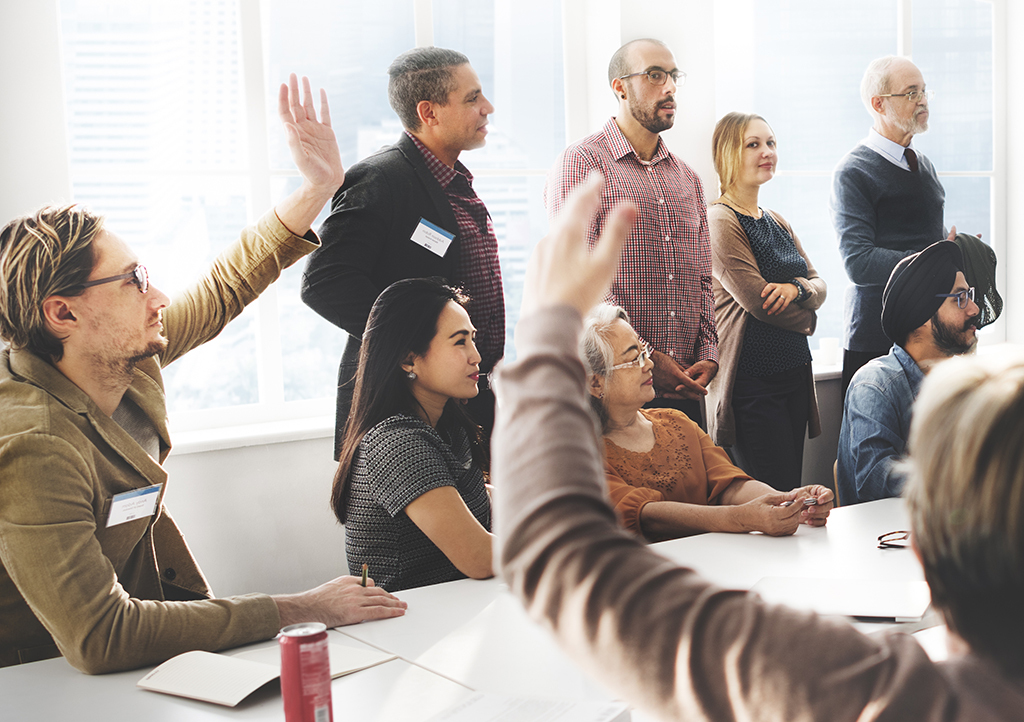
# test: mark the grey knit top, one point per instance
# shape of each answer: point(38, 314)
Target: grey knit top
point(881, 214)
point(398, 460)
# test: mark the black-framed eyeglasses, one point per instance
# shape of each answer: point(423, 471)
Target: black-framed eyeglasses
point(640, 360)
point(659, 76)
point(894, 540)
point(914, 96)
point(139, 276)
point(962, 297)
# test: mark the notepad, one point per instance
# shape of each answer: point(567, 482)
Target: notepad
point(227, 679)
point(501, 708)
point(899, 601)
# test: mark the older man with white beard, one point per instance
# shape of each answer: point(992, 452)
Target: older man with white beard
point(886, 204)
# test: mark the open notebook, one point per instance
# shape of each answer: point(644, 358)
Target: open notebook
point(227, 679)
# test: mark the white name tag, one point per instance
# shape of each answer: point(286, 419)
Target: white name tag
point(434, 239)
point(136, 504)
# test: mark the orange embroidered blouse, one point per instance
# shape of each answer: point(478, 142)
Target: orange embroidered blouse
point(684, 465)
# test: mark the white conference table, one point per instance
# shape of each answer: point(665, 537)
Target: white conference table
point(473, 636)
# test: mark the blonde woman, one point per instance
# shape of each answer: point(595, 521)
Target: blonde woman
point(762, 402)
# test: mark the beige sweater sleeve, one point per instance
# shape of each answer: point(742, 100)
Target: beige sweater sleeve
point(653, 632)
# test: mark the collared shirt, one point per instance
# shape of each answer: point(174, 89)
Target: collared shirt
point(892, 152)
point(876, 425)
point(664, 279)
point(478, 268)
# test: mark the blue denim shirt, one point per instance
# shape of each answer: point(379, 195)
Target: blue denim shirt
point(876, 424)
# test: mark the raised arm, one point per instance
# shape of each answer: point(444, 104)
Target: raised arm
point(315, 152)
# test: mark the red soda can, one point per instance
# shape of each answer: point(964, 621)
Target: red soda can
point(306, 673)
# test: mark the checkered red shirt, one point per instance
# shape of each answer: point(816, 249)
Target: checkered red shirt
point(477, 268)
point(664, 280)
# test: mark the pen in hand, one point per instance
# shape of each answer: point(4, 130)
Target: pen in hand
point(365, 568)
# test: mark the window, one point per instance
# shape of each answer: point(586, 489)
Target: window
point(174, 136)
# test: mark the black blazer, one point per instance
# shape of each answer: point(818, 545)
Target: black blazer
point(366, 242)
point(367, 246)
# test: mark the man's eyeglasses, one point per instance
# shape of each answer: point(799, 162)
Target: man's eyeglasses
point(640, 360)
point(914, 96)
point(962, 297)
point(139, 276)
point(894, 540)
point(659, 77)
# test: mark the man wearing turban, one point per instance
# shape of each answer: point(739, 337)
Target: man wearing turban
point(929, 313)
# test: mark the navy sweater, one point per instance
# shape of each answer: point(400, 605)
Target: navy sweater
point(881, 214)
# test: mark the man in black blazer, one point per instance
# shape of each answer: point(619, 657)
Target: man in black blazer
point(409, 211)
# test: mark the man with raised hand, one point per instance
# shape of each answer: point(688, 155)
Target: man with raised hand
point(92, 566)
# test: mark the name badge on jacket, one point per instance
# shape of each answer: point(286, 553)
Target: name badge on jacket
point(135, 504)
point(434, 239)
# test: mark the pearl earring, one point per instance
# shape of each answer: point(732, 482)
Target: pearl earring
point(411, 375)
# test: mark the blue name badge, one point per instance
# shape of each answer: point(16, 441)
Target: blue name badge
point(434, 239)
point(135, 504)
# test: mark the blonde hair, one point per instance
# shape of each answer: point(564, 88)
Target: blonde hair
point(965, 493)
point(727, 146)
point(45, 254)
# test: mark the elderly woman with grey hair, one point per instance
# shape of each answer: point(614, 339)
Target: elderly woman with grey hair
point(665, 476)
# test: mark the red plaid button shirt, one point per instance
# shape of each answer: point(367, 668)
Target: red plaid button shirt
point(477, 268)
point(664, 279)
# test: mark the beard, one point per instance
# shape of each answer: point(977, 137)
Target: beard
point(912, 125)
point(950, 340)
point(647, 114)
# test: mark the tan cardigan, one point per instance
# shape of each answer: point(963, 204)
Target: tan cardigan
point(655, 633)
point(99, 593)
point(738, 283)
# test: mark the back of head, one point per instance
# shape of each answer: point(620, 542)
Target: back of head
point(727, 146)
point(876, 80)
point(48, 253)
point(966, 498)
point(403, 321)
point(421, 74)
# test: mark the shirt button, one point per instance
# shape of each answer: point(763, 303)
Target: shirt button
point(671, 352)
point(672, 314)
point(661, 201)
point(670, 276)
point(668, 238)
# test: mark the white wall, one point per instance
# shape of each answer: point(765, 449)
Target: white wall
point(258, 518)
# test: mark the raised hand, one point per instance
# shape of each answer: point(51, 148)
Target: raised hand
point(561, 269)
point(311, 142)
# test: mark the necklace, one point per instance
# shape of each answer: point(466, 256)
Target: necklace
point(755, 214)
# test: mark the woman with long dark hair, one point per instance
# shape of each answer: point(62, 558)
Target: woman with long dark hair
point(410, 486)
